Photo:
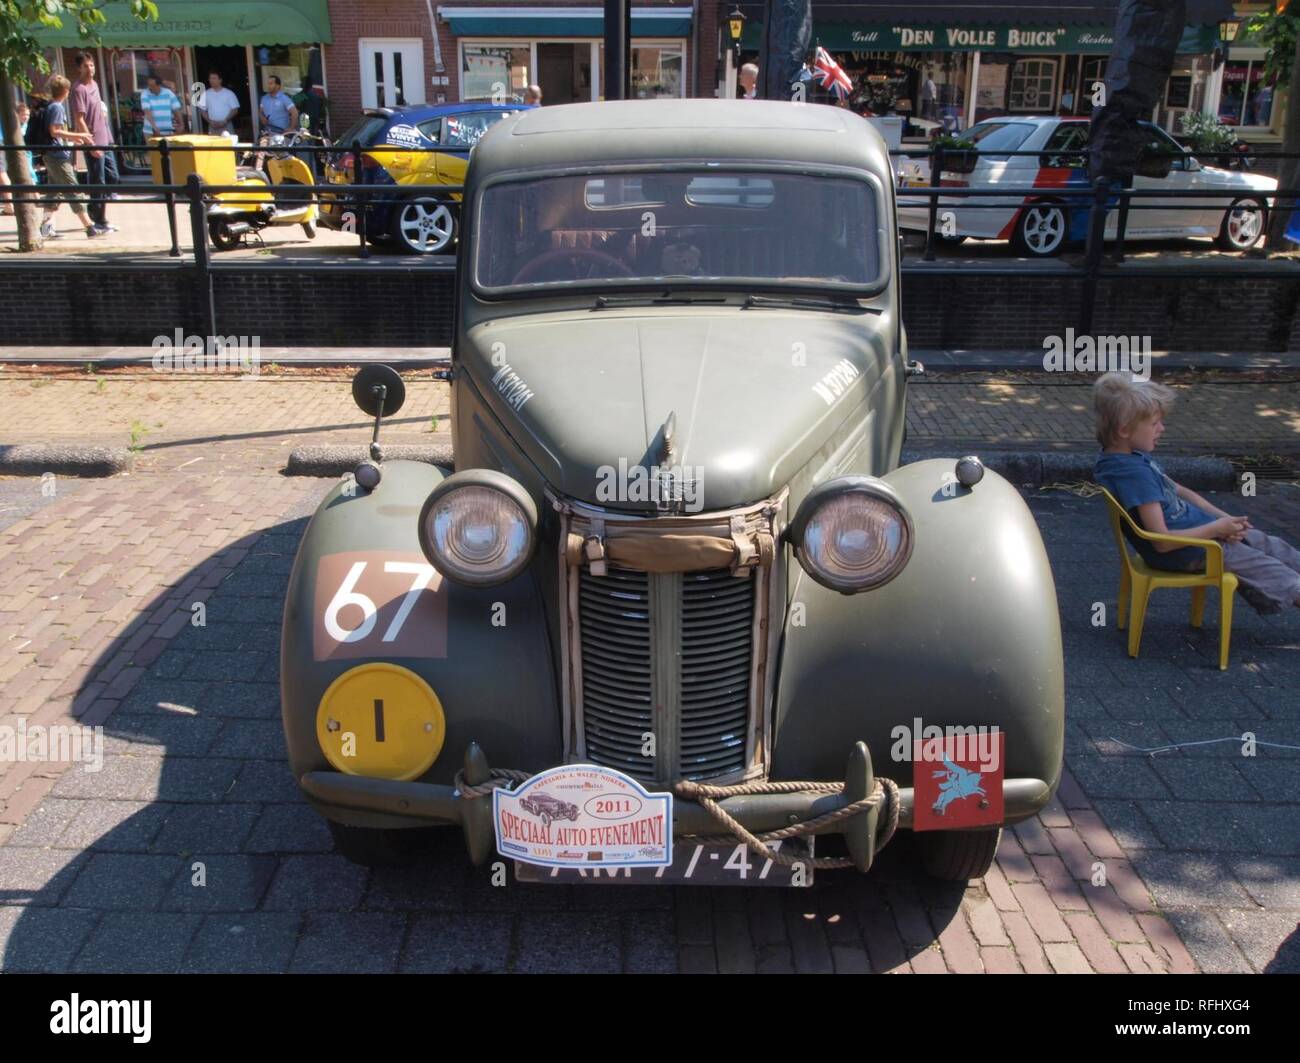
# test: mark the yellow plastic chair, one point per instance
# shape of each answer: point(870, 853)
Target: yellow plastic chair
point(1137, 579)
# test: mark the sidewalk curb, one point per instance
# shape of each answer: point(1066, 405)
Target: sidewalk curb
point(1025, 467)
point(1037, 467)
point(70, 459)
point(337, 460)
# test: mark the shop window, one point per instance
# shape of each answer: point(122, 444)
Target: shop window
point(656, 71)
point(1246, 99)
point(494, 71)
point(1033, 85)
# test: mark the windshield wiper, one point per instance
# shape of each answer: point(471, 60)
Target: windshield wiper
point(606, 302)
point(783, 302)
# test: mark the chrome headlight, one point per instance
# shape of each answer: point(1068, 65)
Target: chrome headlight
point(478, 527)
point(852, 534)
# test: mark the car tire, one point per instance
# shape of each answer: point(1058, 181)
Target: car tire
point(222, 238)
point(309, 227)
point(957, 855)
point(425, 225)
point(1241, 229)
point(374, 847)
point(1040, 230)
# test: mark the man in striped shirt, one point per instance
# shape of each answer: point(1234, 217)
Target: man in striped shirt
point(160, 106)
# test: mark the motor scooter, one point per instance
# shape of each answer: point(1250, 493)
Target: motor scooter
point(252, 207)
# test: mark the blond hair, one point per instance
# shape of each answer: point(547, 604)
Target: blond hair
point(1122, 400)
point(58, 85)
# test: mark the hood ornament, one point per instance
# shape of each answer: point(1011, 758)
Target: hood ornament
point(667, 446)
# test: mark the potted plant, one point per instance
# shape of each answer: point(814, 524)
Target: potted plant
point(959, 156)
point(1208, 136)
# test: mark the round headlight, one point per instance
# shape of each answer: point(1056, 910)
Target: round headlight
point(852, 534)
point(478, 528)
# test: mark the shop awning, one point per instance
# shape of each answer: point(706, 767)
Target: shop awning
point(526, 22)
point(1018, 26)
point(205, 22)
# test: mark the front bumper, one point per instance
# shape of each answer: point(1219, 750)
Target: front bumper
point(426, 804)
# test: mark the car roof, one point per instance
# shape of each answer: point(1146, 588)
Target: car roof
point(682, 130)
point(419, 112)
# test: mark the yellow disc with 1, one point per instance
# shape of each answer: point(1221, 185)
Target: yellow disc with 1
point(381, 720)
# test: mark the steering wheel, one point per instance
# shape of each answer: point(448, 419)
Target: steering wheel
point(574, 255)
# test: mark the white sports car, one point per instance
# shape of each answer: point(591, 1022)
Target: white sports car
point(1052, 194)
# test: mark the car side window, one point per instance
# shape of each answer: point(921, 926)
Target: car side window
point(1161, 143)
point(432, 129)
point(465, 130)
point(1070, 136)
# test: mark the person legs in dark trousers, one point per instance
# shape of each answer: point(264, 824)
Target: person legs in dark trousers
point(95, 174)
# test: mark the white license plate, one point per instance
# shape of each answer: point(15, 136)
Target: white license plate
point(693, 863)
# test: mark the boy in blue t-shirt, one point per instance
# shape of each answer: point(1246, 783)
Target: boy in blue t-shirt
point(1130, 421)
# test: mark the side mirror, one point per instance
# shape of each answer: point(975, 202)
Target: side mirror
point(1155, 164)
point(378, 391)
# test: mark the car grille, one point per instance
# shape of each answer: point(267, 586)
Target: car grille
point(616, 695)
point(712, 657)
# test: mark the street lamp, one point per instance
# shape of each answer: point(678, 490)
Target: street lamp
point(736, 26)
point(1228, 30)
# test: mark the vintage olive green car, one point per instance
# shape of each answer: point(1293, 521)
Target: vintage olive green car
point(678, 550)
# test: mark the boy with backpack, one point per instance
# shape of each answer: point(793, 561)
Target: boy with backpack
point(58, 160)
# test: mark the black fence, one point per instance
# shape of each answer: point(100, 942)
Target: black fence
point(1097, 200)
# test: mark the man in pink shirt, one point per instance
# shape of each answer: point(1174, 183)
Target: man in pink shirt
point(88, 116)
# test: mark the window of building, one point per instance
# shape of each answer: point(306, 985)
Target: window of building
point(658, 69)
point(494, 71)
point(1033, 85)
point(1246, 98)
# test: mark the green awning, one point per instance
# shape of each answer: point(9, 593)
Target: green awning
point(838, 37)
point(205, 22)
point(524, 23)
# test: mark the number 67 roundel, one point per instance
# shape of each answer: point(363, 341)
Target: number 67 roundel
point(372, 603)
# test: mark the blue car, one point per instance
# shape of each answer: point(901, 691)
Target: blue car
point(377, 150)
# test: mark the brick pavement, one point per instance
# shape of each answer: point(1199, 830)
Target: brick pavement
point(178, 417)
point(1198, 845)
point(97, 870)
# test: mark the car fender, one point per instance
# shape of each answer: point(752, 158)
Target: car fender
point(485, 652)
point(967, 634)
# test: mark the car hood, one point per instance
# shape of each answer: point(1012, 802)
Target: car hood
point(748, 396)
point(1256, 182)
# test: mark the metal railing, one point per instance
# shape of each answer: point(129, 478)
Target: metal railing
point(1098, 200)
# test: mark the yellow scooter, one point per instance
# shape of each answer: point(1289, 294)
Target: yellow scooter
point(253, 207)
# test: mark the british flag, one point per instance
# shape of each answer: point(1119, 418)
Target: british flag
point(831, 75)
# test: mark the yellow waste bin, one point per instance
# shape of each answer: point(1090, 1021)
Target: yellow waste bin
point(215, 167)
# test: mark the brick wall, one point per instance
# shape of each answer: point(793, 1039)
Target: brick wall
point(398, 308)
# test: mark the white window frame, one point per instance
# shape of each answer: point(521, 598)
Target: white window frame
point(1254, 57)
point(370, 42)
point(1050, 106)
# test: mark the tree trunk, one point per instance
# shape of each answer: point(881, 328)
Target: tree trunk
point(1289, 172)
point(20, 175)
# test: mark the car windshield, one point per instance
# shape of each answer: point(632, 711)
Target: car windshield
point(998, 136)
point(629, 228)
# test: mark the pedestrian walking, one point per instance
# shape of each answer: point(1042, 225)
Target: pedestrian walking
point(58, 161)
point(219, 106)
point(161, 108)
point(88, 116)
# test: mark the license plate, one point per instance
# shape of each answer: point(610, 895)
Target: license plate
point(694, 863)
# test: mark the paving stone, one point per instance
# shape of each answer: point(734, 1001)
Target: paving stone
point(122, 777)
point(134, 882)
point(115, 826)
point(221, 884)
point(1274, 781)
point(1123, 777)
point(37, 876)
point(317, 883)
point(205, 830)
point(565, 942)
point(252, 740)
point(252, 943)
point(157, 734)
point(237, 666)
point(1199, 827)
point(42, 940)
point(1272, 881)
point(1189, 880)
point(461, 943)
point(1258, 934)
point(265, 782)
point(648, 946)
point(1130, 827)
point(349, 942)
point(1201, 780)
point(290, 829)
point(129, 943)
point(1272, 828)
point(46, 823)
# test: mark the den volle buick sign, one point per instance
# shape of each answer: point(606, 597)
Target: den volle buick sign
point(966, 38)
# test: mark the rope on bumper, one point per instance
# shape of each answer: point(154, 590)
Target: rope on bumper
point(884, 789)
point(499, 778)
